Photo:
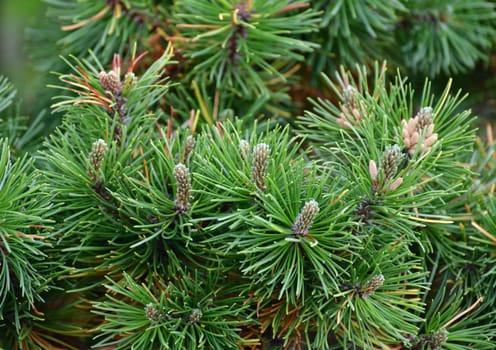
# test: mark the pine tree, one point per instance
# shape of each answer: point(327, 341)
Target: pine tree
point(191, 198)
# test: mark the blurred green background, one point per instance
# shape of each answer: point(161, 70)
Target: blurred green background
point(18, 15)
point(15, 17)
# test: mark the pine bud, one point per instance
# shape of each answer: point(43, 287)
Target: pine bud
point(96, 156)
point(244, 150)
point(424, 118)
point(152, 313)
point(195, 316)
point(183, 187)
point(129, 80)
point(350, 96)
point(261, 153)
point(305, 218)
point(349, 117)
point(415, 127)
point(439, 338)
point(111, 82)
point(396, 184)
point(190, 144)
point(371, 286)
point(373, 170)
point(391, 159)
point(351, 108)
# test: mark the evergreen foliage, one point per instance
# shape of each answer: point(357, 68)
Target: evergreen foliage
point(189, 199)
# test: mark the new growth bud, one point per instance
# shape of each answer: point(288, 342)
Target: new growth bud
point(261, 153)
point(418, 127)
point(129, 80)
point(391, 159)
point(190, 144)
point(372, 285)
point(152, 313)
point(373, 170)
point(396, 184)
point(382, 178)
point(351, 108)
point(96, 156)
point(244, 149)
point(305, 218)
point(183, 187)
point(350, 96)
point(195, 316)
point(424, 118)
point(439, 338)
